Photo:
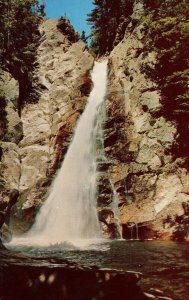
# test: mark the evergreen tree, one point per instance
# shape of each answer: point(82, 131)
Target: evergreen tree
point(83, 36)
point(19, 38)
point(167, 32)
point(104, 20)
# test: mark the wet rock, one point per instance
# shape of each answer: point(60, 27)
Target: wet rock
point(110, 139)
point(7, 201)
point(5, 234)
point(109, 225)
point(103, 166)
point(111, 231)
point(149, 296)
point(164, 298)
point(105, 193)
point(104, 186)
point(106, 215)
point(156, 292)
point(104, 200)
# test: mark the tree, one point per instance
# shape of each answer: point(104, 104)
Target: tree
point(19, 37)
point(167, 33)
point(83, 36)
point(104, 20)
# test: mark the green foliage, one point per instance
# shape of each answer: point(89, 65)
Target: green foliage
point(83, 36)
point(65, 27)
point(167, 33)
point(104, 20)
point(19, 38)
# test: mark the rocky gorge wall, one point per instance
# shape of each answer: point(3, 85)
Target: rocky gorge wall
point(141, 184)
point(34, 145)
point(152, 186)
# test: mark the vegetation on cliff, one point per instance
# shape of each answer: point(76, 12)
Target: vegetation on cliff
point(19, 38)
point(66, 28)
point(167, 33)
point(105, 19)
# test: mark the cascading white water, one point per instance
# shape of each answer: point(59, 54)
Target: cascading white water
point(70, 211)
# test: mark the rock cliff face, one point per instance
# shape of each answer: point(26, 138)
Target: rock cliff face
point(141, 172)
point(151, 184)
point(34, 146)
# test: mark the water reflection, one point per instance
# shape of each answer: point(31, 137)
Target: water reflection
point(164, 264)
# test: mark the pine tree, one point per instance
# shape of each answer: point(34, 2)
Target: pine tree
point(104, 20)
point(19, 38)
point(167, 33)
point(83, 36)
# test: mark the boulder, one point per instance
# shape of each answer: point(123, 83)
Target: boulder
point(150, 101)
point(6, 203)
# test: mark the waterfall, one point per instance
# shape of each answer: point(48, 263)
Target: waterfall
point(115, 209)
point(70, 211)
point(137, 235)
point(133, 231)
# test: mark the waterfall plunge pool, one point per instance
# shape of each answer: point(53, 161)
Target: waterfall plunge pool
point(164, 264)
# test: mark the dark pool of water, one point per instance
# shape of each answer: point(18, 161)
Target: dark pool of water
point(165, 265)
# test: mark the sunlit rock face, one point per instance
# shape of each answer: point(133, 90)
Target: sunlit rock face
point(150, 182)
point(34, 146)
point(10, 133)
